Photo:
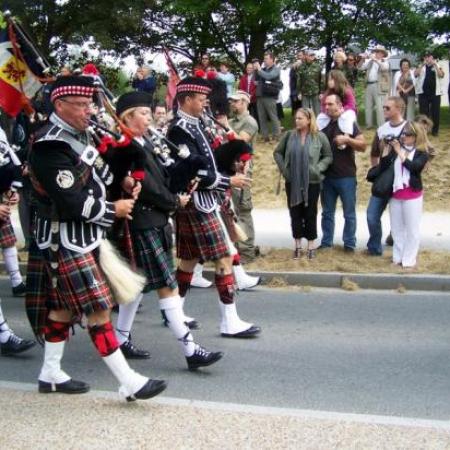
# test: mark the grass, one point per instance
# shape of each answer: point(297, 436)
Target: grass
point(336, 260)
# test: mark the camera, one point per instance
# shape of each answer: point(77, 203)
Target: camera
point(390, 138)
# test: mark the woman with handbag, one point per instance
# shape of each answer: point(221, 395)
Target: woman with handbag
point(406, 203)
point(302, 155)
point(403, 84)
point(151, 234)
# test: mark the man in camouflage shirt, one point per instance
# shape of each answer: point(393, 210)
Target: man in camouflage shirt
point(309, 82)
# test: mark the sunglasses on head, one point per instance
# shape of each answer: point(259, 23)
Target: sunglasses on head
point(408, 134)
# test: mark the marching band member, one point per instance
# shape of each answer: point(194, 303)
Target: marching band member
point(65, 280)
point(10, 344)
point(11, 180)
point(151, 234)
point(199, 230)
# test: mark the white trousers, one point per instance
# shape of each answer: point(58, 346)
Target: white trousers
point(405, 225)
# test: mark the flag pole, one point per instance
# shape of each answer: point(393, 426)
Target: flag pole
point(40, 59)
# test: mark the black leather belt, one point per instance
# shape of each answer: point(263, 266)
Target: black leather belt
point(372, 82)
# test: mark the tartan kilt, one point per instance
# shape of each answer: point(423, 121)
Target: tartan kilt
point(7, 236)
point(200, 235)
point(36, 297)
point(156, 262)
point(81, 286)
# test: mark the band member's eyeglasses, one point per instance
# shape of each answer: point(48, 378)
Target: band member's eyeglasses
point(81, 105)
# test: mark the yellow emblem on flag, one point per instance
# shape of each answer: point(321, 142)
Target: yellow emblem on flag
point(15, 72)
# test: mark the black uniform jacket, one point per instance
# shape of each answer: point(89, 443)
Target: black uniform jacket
point(155, 202)
point(70, 190)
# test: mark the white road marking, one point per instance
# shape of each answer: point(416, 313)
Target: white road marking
point(265, 410)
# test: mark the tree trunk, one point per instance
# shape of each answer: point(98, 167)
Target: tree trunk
point(328, 57)
point(257, 42)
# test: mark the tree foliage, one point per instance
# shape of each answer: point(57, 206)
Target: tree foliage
point(236, 29)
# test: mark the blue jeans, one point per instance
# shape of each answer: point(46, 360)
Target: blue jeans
point(345, 189)
point(375, 210)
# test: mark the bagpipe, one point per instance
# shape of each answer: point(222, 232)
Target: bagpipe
point(186, 171)
point(230, 154)
point(217, 132)
point(10, 167)
point(228, 149)
point(124, 154)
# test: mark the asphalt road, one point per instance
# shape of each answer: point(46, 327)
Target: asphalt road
point(359, 352)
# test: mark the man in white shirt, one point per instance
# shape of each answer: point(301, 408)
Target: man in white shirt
point(394, 110)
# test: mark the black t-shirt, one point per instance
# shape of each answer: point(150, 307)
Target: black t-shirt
point(429, 83)
point(343, 164)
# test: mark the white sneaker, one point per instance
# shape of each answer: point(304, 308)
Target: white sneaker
point(244, 281)
point(198, 280)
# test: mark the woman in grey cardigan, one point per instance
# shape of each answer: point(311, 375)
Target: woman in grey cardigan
point(302, 155)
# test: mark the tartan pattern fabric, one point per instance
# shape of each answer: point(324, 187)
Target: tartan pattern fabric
point(81, 286)
point(184, 281)
point(36, 296)
point(56, 331)
point(104, 339)
point(225, 288)
point(157, 263)
point(7, 236)
point(199, 235)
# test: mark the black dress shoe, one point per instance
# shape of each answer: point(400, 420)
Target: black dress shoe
point(250, 332)
point(132, 352)
point(68, 387)
point(202, 358)
point(20, 290)
point(192, 324)
point(149, 390)
point(349, 249)
point(15, 345)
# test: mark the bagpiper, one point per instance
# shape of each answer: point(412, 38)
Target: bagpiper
point(200, 233)
point(151, 235)
point(65, 280)
point(10, 176)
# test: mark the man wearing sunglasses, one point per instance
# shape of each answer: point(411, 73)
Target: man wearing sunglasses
point(393, 111)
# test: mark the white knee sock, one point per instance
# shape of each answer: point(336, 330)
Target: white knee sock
point(172, 307)
point(5, 331)
point(12, 265)
point(125, 319)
